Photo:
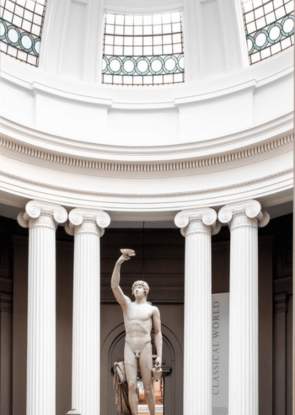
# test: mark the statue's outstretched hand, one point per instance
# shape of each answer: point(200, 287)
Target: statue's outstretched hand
point(126, 255)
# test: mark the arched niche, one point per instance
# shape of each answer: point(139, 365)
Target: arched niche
point(113, 350)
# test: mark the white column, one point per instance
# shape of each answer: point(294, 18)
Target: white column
point(197, 227)
point(87, 227)
point(244, 219)
point(41, 219)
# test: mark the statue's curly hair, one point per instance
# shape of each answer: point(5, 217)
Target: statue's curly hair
point(143, 284)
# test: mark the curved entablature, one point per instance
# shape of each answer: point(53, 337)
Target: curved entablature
point(268, 178)
point(21, 25)
point(133, 189)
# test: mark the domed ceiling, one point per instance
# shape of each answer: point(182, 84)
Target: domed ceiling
point(146, 49)
point(146, 106)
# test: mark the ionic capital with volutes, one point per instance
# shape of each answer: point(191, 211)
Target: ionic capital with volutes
point(42, 214)
point(244, 213)
point(202, 220)
point(87, 221)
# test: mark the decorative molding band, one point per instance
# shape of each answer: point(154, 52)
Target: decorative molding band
point(147, 167)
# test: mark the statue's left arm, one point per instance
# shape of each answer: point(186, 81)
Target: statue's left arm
point(158, 335)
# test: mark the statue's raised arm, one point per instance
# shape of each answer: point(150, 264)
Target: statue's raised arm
point(122, 299)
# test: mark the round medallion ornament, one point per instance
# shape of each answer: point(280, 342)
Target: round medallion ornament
point(274, 33)
point(12, 35)
point(128, 66)
point(250, 43)
point(26, 42)
point(142, 66)
point(156, 65)
point(37, 46)
point(115, 65)
point(104, 65)
point(2, 29)
point(288, 25)
point(181, 63)
point(261, 40)
point(170, 64)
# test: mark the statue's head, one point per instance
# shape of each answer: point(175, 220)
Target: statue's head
point(140, 289)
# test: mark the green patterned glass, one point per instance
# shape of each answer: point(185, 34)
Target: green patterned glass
point(21, 23)
point(269, 26)
point(143, 50)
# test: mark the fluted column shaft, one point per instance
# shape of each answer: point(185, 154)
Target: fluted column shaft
point(197, 229)
point(41, 219)
point(244, 219)
point(87, 227)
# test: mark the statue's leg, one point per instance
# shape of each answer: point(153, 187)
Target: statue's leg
point(131, 375)
point(146, 365)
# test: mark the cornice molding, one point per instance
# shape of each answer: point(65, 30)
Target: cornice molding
point(116, 166)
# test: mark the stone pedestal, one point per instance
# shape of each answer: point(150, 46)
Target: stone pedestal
point(197, 227)
point(87, 227)
point(243, 219)
point(41, 219)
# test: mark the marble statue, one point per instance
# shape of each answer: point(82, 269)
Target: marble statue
point(140, 319)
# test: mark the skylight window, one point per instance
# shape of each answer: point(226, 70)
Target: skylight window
point(21, 24)
point(143, 50)
point(269, 27)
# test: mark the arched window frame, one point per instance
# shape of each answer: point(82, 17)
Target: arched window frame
point(21, 24)
point(143, 50)
point(269, 26)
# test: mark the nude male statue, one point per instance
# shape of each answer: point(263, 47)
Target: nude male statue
point(140, 317)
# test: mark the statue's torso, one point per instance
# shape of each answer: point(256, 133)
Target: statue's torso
point(138, 324)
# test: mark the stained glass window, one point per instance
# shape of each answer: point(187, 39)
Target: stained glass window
point(143, 50)
point(21, 24)
point(269, 27)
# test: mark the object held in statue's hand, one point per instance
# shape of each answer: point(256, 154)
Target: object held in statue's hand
point(127, 252)
point(157, 373)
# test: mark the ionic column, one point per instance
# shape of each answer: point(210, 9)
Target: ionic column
point(87, 227)
point(243, 219)
point(41, 219)
point(197, 226)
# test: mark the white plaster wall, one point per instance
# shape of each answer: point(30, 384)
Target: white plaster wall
point(108, 115)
